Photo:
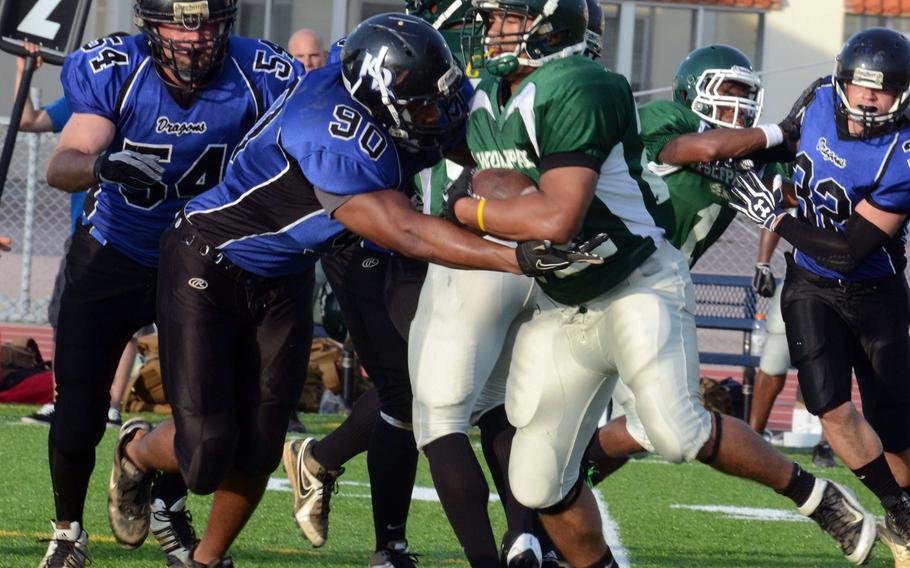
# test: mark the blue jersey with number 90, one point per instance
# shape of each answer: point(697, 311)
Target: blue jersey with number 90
point(315, 144)
point(114, 77)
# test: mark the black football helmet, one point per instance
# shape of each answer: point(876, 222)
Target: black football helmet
point(595, 32)
point(876, 58)
point(193, 63)
point(401, 69)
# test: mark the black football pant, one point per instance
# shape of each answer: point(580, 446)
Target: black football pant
point(378, 296)
point(106, 299)
point(234, 350)
point(836, 328)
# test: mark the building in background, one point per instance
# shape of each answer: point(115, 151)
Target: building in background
point(791, 41)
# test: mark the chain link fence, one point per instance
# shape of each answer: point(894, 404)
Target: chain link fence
point(36, 216)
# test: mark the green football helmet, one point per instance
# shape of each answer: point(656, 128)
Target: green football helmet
point(552, 29)
point(702, 73)
point(441, 14)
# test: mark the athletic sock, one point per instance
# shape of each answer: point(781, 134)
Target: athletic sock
point(70, 474)
point(463, 492)
point(800, 487)
point(169, 487)
point(352, 437)
point(496, 440)
point(392, 464)
point(877, 476)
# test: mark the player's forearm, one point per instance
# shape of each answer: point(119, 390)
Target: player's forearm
point(437, 241)
point(524, 218)
point(712, 145)
point(767, 242)
point(71, 171)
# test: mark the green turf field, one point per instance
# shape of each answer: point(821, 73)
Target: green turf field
point(687, 516)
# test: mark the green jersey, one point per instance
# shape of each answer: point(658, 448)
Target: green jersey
point(574, 112)
point(698, 211)
point(431, 182)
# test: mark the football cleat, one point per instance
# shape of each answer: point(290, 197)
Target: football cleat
point(114, 420)
point(520, 551)
point(67, 549)
point(895, 530)
point(173, 529)
point(396, 555)
point(900, 548)
point(313, 486)
point(129, 491)
point(43, 416)
point(823, 455)
point(225, 562)
point(838, 513)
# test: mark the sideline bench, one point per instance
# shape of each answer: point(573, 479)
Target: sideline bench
point(728, 303)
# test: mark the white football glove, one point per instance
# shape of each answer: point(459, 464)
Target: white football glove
point(756, 201)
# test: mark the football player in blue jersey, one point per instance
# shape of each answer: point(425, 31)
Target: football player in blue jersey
point(329, 164)
point(845, 298)
point(156, 116)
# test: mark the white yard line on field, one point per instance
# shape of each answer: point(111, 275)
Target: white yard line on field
point(611, 532)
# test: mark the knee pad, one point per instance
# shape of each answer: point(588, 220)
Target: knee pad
point(682, 444)
point(82, 423)
point(205, 450)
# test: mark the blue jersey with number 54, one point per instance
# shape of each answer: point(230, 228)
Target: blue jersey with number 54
point(316, 148)
point(114, 77)
point(833, 174)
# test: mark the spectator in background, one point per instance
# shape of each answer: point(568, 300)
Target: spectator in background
point(52, 118)
point(306, 46)
point(5, 243)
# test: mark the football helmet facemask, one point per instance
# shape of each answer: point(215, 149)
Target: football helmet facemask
point(193, 63)
point(402, 71)
point(876, 58)
point(699, 79)
point(550, 29)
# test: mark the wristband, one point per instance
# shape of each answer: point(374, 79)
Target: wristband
point(480, 207)
point(773, 134)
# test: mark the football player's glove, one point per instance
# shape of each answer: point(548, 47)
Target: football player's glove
point(129, 169)
point(537, 258)
point(458, 189)
point(763, 282)
point(756, 201)
point(792, 123)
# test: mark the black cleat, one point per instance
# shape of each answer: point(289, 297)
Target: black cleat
point(839, 514)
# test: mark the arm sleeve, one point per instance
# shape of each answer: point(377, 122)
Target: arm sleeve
point(59, 113)
point(841, 252)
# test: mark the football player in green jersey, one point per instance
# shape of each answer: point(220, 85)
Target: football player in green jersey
point(573, 128)
point(690, 142)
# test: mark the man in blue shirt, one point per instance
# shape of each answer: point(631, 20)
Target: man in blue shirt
point(330, 163)
point(845, 298)
point(156, 116)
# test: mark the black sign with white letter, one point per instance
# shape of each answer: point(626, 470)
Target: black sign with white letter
point(55, 25)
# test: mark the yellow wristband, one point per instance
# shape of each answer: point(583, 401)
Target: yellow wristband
point(480, 207)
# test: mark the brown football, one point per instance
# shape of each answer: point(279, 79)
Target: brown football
point(501, 183)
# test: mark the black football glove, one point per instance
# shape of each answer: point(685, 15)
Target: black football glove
point(793, 122)
point(129, 169)
point(537, 258)
point(756, 201)
point(763, 282)
point(458, 189)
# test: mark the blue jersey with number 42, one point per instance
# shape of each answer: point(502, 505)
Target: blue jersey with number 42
point(832, 175)
point(316, 144)
point(114, 77)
